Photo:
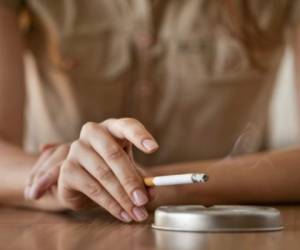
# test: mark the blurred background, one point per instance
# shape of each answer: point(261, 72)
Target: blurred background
point(284, 112)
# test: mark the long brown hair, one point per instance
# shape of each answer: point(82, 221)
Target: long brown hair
point(259, 25)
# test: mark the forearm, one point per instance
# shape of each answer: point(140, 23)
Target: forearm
point(257, 178)
point(15, 166)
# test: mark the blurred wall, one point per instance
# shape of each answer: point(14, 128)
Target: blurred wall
point(284, 123)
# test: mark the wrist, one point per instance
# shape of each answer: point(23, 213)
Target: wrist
point(14, 182)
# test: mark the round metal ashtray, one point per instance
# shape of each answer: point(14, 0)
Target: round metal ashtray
point(217, 218)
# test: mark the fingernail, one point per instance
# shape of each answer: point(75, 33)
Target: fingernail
point(140, 213)
point(125, 217)
point(150, 144)
point(139, 198)
point(44, 181)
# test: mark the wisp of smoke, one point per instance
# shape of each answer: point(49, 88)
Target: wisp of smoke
point(243, 145)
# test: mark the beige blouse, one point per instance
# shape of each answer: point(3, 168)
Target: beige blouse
point(173, 65)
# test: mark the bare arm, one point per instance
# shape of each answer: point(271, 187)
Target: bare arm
point(258, 178)
point(14, 163)
point(99, 158)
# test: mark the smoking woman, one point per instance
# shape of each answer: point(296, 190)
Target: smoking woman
point(95, 96)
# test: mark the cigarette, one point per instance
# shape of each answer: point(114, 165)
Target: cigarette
point(177, 179)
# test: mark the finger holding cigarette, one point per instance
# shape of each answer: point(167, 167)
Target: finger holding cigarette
point(178, 179)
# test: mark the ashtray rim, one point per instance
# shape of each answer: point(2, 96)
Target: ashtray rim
point(253, 219)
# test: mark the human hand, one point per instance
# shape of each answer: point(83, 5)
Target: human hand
point(99, 166)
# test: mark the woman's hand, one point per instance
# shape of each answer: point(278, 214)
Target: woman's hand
point(99, 166)
point(45, 171)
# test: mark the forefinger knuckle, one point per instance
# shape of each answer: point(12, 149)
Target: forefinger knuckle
point(88, 128)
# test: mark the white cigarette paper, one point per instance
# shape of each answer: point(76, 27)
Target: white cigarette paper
point(177, 179)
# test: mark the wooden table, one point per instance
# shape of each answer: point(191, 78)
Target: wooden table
point(24, 229)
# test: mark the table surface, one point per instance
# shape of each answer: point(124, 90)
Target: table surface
point(25, 229)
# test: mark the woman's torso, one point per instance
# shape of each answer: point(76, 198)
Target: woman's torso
point(171, 64)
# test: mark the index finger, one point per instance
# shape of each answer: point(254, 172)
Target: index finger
point(117, 160)
point(133, 131)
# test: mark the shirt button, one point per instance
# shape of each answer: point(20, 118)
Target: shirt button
point(69, 64)
point(144, 88)
point(143, 40)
